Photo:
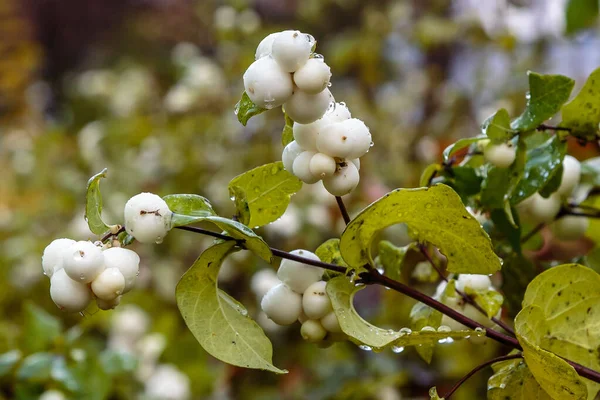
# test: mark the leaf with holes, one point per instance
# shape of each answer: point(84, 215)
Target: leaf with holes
point(266, 191)
point(217, 320)
point(435, 215)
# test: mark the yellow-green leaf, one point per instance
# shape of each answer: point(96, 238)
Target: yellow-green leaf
point(93, 204)
point(329, 252)
point(497, 127)
point(582, 114)
point(513, 380)
point(287, 135)
point(490, 300)
point(391, 258)
point(246, 109)
point(266, 192)
point(435, 215)
point(433, 394)
point(219, 323)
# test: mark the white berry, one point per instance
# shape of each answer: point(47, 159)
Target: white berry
point(67, 294)
point(290, 152)
point(570, 176)
point(109, 284)
point(299, 276)
point(266, 84)
point(343, 181)
point(265, 47)
point(356, 163)
point(292, 49)
point(108, 304)
point(473, 281)
point(301, 167)
point(346, 139)
point(126, 261)
point(52, 395)
point(330, 323)
point(306, 134)
point(52, 259)
point(500, 155)
point(313, 77)
point(312, 331)
point(322, 165)
point(282, 305)
point(262, 281)
point(147, 218)
point(305, 108)
point(83, 261)
point(315, 301)
point(338, 112)
point(570, 227)
point(544, 210)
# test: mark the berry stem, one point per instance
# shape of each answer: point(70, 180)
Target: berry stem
point(372, 276)
point(343, 210)
point(479, 368)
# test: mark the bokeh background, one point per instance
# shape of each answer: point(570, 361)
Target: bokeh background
point(146, 88)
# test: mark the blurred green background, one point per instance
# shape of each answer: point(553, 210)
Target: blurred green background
point(146, 88)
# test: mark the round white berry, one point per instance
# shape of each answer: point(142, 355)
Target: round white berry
point(147, 218)
point(306, 134)
point(312, 331)
point(570, 176)
point(570, 227)
point(83, 261)
point(52, 259)
point(299, 276)
point(313, 77)
point(305, 108)
point(338, 112)
point(473, 281)
point(322, 165)
point(52, 395)
point(544, 210)
point(291, 49)
point(131, 322)
point(501, 155)
point(262, 281)
point(343, 181)
point(265, 47)
point(290, 152)
point(347, 139)
point(301, 167)
point(315, 301)
point(67, 294)
point(108, 304)
point(126, 261)
point(109, 284)
point(266, 84)
point(356, 163)
point(330, 323)
point(282, 305)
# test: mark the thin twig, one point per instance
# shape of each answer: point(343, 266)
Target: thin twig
point(372, 276)
point(479, 368)
point(465, 297)
point(543, 127)
point(110, 234)
point(343, 210)
point(532, 233)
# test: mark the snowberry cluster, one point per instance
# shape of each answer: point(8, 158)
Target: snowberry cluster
point(537, 209)
point(301, 296)
point(81, 271)
point(328, 142)
point(466, 283)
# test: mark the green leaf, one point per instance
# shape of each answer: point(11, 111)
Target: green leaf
point(428, 174)
point(490, 300)
point(513, 380)
point(40, 329)
point(497, 127)
point(433, 394)
point(246, 109)
point(219, 323)
point(461, 144)
point(8, 361)
point(433, 214)
point(391, 257)
point(553, 183)
point(558, 378)
point(511, 232)
point(62, 373)
point(582, 114)
point(36, 367)
point(341, 291)
point(580, 14)
point(465, 181)
point(421, 316)
point(329, 252)
point(517, 272)
point(542, 164)
point(266, 192)
point(192, 205)
point(547, 94)
point(241, 204)
point(93, 205)
point(287, 136)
